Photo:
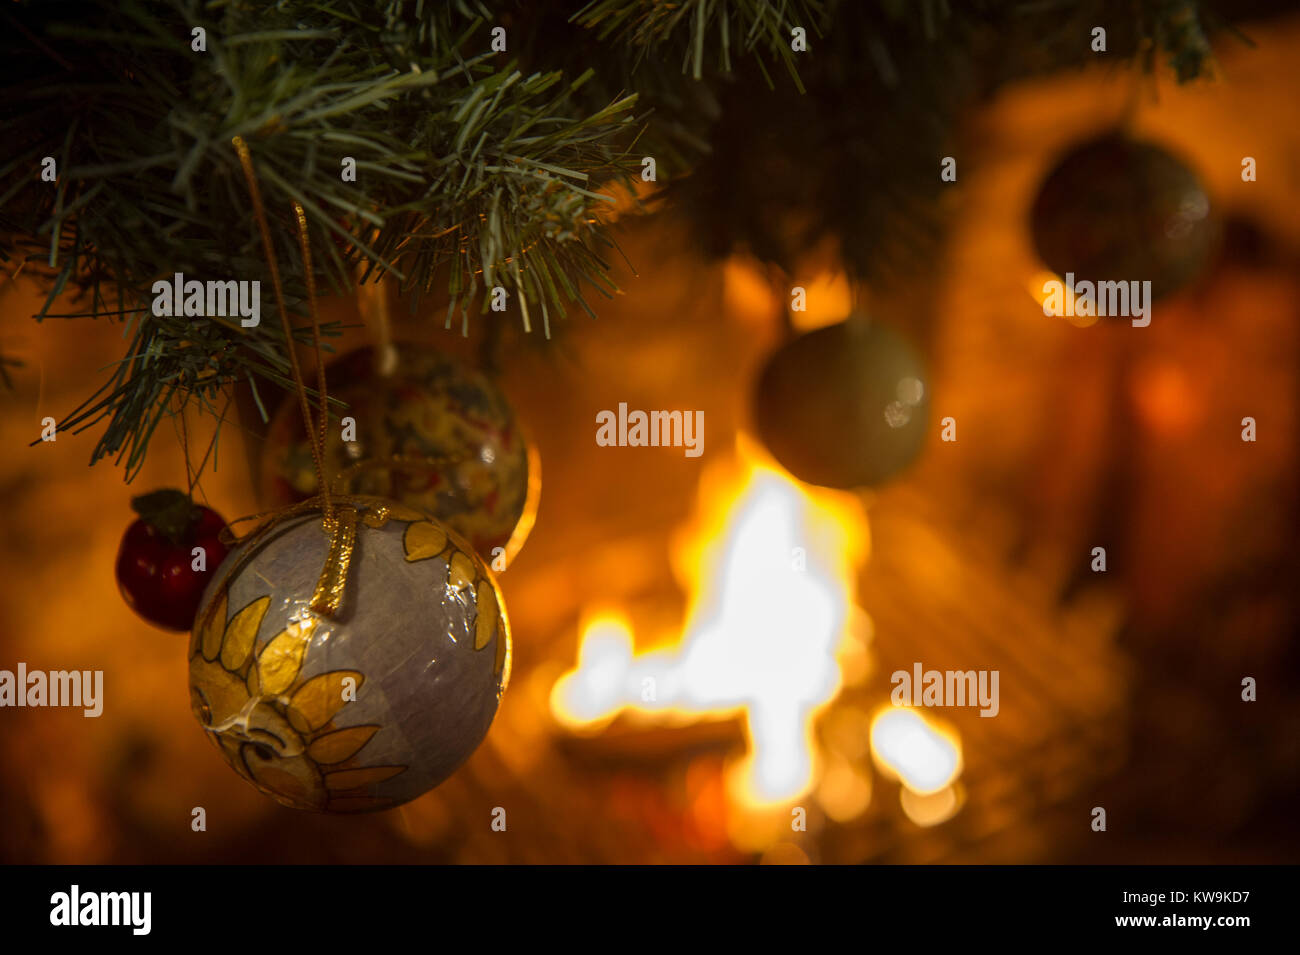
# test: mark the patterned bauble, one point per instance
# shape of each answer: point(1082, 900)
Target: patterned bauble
point(1114, 209)
point(352, 668)
point(843, 406)
point(429, 432)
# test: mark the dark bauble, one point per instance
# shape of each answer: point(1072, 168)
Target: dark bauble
point(844, 406)
point(1114, 209)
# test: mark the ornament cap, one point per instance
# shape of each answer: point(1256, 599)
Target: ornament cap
point(170, 512)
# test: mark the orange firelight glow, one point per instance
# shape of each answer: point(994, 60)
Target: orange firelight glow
point(769, 567)
point(1035, 286)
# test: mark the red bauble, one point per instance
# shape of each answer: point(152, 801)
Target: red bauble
point(155, 564)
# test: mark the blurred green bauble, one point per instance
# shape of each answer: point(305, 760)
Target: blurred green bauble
point(1114, 209)
point(844, 406)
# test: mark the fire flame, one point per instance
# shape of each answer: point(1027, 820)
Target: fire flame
point(924, 755)
point(769, 568)
point(925, 758)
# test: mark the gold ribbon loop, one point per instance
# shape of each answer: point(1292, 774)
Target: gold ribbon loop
point(340, 524)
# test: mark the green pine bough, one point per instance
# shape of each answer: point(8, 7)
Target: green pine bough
point(466, 169)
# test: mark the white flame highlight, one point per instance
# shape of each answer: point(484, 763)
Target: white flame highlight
point(770, 573)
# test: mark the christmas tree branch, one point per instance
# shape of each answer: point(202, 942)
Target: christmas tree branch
point(465, 168)
point(749, 25)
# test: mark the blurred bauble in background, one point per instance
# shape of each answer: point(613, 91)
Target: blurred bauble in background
point(1114, 209)
point(167, 557)
point(363, 707)
point(430, 432)
point(843, 406)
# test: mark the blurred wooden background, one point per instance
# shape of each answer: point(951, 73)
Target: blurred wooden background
point(1123, 693)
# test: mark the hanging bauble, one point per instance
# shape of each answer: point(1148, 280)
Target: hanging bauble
point(352, 666)
point(167, 557)
point(843, 406)
point(1114, 209)
point(430, 433)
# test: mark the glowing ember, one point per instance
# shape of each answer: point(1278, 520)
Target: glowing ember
point(908, 746)
point(769, 568)
point(1035, 287)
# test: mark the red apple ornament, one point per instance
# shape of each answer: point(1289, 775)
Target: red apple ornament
point(156, 564)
